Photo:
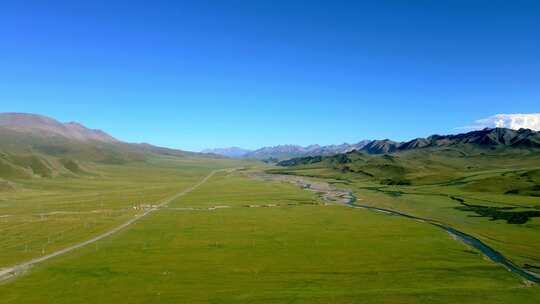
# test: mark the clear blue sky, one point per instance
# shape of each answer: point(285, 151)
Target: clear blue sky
point(196, 74)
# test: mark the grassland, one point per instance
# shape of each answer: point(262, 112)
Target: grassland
point(502, 186)
point(297, 251)
point(42, 215)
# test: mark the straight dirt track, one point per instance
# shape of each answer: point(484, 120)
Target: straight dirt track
point(10, 272)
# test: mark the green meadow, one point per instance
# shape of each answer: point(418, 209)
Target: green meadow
point(492, 195)
point(43, 215)
point(269, 243)
point(519, 242)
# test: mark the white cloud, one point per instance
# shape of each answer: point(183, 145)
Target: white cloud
point(511, 121)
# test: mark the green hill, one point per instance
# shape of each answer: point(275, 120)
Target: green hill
point(34, 146)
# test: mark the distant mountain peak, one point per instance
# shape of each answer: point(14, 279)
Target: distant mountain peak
point(233, 152)
point(74, 124)
point(290, 151)
point(286, 150)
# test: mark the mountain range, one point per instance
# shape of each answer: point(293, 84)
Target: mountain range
point(232, 152)
point(281, 152)
point(498, 160)
point(486, 137)
point(492, 140)
point(33, 145)
point(496, 137)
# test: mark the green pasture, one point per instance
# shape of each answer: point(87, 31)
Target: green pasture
point(297, 251)
point(43, 215)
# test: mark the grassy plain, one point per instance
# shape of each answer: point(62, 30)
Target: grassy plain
point(437, 184)
point(295, 252)
point(42, 215)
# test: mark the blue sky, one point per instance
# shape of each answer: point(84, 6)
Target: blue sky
point(198, 74)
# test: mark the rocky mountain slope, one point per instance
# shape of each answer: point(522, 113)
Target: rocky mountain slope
point(497, 137)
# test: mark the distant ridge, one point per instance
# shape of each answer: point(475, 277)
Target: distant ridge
point(496, 138)
point(509, 160)
point(502, 137)
point(287, 151)
point(44, 126)
point(232, 152)
point(490, 137)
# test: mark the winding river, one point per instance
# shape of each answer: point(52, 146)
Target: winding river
point(491, 253)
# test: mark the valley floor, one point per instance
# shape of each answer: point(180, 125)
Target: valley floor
point(236, 239)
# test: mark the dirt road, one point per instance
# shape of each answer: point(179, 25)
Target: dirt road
point(10, 272)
